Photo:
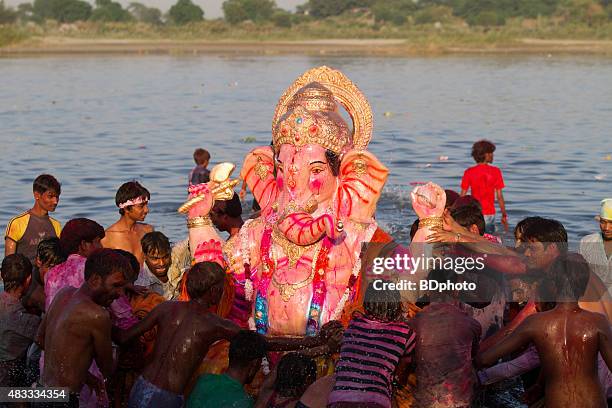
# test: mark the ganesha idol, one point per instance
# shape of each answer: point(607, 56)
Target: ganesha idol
point(297, 266)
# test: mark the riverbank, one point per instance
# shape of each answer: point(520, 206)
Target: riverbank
point(333, 36)
point(365, 47)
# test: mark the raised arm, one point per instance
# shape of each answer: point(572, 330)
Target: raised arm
point(150, 321)
point(521, 337)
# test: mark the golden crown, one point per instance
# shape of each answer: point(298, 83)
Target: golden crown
point(312, 118)
point(307, 113)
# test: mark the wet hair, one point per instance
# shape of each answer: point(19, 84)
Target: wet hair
point(203, 276)
point(49, 252)
point(480, 148)
point(76, 231)
point(200, 156)
point(231, 207)
point(524, 224)
point(15, 271)
point(134, 264)
point(466, 200)
point(46, 182)
point(546, 231)
point(105, 262)
point(451, 197)
point(570, 274)
point(295, 373)
point(155, 242)
point(129, 191)
point(383, 305)
point(469, 215)
point(245, 347)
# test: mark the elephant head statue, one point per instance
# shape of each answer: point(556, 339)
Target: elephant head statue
point(316, 175)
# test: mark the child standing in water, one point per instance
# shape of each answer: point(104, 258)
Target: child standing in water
point(200, 173)
point(486, 182)
point(567, 339)
point(371, 350)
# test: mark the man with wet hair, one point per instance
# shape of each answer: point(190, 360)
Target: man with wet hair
point(158, 259)
point(17, 327)
point(447, 341)
point(133, 202)
point(567, 338)
point(227, 215)
point(77, 328)
point(545, 239)
point(185, 331)
point(486, 182)
point(25, 231)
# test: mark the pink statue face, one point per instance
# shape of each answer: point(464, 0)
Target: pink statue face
point(305, 173)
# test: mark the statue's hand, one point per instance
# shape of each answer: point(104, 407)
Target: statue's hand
point(428, 200)
point(202, 207)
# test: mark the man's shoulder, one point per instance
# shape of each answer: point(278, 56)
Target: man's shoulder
point(17, 225)
point(143, 227)
point(591, 238)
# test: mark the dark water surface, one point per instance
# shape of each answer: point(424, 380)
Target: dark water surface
point(96, 122)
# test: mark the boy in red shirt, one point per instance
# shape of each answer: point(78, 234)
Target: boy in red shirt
point(486, 181)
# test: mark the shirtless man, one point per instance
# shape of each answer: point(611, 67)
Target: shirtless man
point(77, 328)
point(186, 330)
point(567, 339)
point(132, 200)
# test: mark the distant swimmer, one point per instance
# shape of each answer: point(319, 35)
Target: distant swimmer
point(133, 202)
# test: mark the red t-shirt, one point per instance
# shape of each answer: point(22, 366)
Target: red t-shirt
point(483, 179)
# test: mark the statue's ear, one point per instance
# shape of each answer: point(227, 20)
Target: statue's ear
point(258, 171)
point(362, 178)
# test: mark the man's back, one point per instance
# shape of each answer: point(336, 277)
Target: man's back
point(185, 331)
point(568, 341)
point(68, 340)
point(483, 179)
point(446, 338)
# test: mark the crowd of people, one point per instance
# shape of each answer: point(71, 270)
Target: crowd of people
point(95, 311)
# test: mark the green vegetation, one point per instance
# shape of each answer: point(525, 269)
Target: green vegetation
point(426, 23)
point(184, 12)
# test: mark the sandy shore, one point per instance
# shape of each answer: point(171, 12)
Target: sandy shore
point(374, 47)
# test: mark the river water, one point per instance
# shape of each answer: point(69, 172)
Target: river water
point(96, 122)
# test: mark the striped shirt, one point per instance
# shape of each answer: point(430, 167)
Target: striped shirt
point(369, 355)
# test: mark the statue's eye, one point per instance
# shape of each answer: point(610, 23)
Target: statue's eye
point(280, 167)
point(317, 170)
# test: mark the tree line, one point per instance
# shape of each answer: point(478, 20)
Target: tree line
point(398, 12)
